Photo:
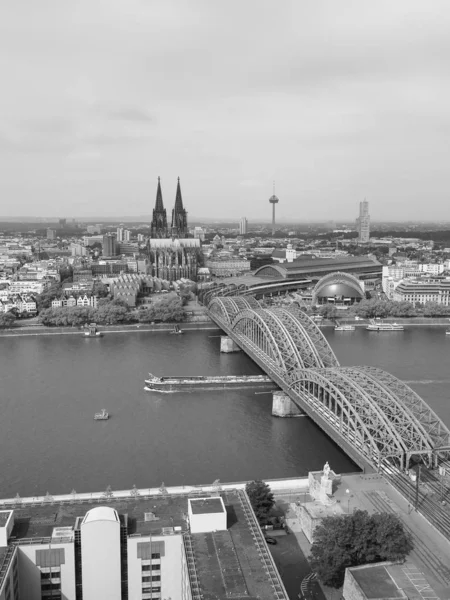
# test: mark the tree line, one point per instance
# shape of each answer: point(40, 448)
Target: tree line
point(166, 309)
point(383, 308)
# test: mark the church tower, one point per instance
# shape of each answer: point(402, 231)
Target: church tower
point(179, 216)
point(158, 226)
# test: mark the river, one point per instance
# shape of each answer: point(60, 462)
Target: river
point(51, 386)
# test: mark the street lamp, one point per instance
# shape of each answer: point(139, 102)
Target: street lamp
point(347, 491)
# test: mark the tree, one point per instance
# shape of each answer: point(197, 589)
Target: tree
point(356, 539)
point(328, 311)
point(261, 498)
point(6, 320)
point(44, 300)
point(168, 309)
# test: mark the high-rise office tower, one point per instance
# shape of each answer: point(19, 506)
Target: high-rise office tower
point(109, 245)
point(363, 223)
point(243, 226)
point(119, 234)
point(126, 235)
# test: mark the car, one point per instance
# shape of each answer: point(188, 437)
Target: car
point(271, 540)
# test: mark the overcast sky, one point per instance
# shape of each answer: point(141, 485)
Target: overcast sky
point(336, 100)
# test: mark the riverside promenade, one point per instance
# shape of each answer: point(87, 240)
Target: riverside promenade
point(121, 328)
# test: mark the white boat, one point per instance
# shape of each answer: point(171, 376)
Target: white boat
point(101, 416)
point(345, 328)
point(380, 326)
point(447, 332)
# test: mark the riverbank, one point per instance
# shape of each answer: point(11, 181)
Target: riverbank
point(122, 328)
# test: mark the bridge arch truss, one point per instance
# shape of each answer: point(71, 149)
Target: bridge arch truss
point(374, 414)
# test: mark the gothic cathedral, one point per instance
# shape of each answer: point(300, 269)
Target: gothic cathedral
point(173, 255)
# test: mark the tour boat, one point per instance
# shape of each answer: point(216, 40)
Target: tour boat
point(101, 416)
point(380, 326)
point(345, 328)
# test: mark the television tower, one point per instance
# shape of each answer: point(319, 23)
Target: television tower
point(273, 200)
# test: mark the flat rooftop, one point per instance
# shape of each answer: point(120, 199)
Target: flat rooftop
point(235, 563)
point(145, 515)
point(388, 580)
point(204, 506)
point(377, 583)
point(4, 516)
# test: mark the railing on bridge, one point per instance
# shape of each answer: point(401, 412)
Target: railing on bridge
point(373, 415)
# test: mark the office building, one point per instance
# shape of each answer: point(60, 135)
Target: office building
point(110, 247)
point(423, 290)
point(51, 234)
point(119, 234)
point(243, 226)
point(363, 223)
point(142, 548)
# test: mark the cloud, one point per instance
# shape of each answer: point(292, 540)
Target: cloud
point(336, 101)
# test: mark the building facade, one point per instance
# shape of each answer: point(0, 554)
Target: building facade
point(423, 290)
point(173, 259)
point(363, 223)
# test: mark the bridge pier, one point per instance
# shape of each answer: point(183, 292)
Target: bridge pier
point(283, 406)
point(228, 345)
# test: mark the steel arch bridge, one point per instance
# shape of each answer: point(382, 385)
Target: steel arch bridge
point(371, 414)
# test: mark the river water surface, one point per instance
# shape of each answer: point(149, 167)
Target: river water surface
point(51, 386)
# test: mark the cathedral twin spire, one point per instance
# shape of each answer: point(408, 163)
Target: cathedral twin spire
point(159, 227)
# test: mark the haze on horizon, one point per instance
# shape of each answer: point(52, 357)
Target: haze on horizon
point(335, 101)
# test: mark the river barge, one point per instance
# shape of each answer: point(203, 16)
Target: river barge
point(191, 384)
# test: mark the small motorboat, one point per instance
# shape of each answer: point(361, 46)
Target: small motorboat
point(447, 332)
point(101, 416)
point(92, 331)
point(176, 330)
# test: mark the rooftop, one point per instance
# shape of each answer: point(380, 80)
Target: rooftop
point(145, 516)
point(388, 580)
point(235, 563)
point(204, 506)
point(4, 516)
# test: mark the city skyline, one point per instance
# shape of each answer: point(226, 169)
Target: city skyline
point(335, 102)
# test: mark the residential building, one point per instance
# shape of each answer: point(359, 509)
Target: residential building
point(51, 234)
point(126, 235)
point(141, 237)
point(119, 234)
point(363, 223)
point(138, 547)
point(432, 268)
point(78, 250)
point(199, 233)
point(243, 226)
